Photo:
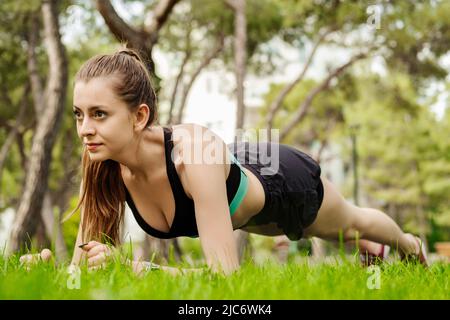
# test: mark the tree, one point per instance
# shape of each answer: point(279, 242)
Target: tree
point(345, 25)
point(142, 38)
point(404, 166)
point(210, 26)
point(36, 181)
point(240, 54)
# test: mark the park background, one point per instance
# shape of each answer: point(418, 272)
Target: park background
point(362, 86)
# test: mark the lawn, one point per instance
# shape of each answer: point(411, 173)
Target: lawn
point(341, 279)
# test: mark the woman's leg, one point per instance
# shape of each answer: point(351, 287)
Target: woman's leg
point(366, 246)
point(281, 248)
point(338, 215)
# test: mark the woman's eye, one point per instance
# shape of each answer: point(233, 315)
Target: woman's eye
point(76, 114)
point(97, 113)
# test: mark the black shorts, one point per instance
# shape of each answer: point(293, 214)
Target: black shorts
point(291, 182)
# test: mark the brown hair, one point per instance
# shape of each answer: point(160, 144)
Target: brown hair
point(102, 190)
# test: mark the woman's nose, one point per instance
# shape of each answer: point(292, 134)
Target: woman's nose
point(86, 128)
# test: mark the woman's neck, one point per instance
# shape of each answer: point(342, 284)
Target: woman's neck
point(145, 156)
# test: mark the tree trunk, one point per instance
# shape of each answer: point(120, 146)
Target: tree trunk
point(154, 245)
point(243, 243)
point(36, 180)
point(143, 40)
point(67, 182)
point(420, 212)
point(21, 146)
point(53, 228)
point(42, 241)
point(240, 56)
point(32, 65)
point(317, 248)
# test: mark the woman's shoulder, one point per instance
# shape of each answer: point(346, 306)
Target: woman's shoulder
point(194, 133)
point(194, 142)
point(190, 128)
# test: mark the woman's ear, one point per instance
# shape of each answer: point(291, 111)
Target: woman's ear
point(141, 117)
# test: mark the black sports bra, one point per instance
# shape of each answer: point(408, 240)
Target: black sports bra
point(184, 223)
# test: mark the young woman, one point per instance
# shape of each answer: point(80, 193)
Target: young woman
point(183, 180)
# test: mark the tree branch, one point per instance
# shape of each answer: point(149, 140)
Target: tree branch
point(207, 59)
point(22, 152)
point(158, 17)
point(188, 53)
point(177, 82)
point(277, 103)
point(119, 28)
point(324, 142)
point(32, 65)
point(232, 4)
point(324, 85)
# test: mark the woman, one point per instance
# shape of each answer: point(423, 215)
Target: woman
point(185, 181)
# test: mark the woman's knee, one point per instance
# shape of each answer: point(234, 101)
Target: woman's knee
point(362, 221)
point(335, 215)
point(336, 222)
point(352, 228)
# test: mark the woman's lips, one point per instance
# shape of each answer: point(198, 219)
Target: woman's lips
point(93, 147)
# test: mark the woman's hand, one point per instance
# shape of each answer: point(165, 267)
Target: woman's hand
point(97, 254)
point(27, 260)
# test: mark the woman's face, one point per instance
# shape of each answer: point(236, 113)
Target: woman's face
point(102, 118)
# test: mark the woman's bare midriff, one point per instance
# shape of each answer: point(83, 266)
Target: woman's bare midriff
point(253, 201)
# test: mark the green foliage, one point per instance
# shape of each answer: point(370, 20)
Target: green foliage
point(417, 35)
point(403, 149)
point(12, 7)
point(303, 20)
point(404, 157)
point(197, 25)
point(325, 114)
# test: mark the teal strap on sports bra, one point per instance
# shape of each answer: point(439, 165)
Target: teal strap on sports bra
point(242, 189)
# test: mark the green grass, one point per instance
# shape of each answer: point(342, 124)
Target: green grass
point(302, 280)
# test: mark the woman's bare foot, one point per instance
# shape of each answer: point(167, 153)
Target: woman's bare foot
point(415, 250)
point(372, 252)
